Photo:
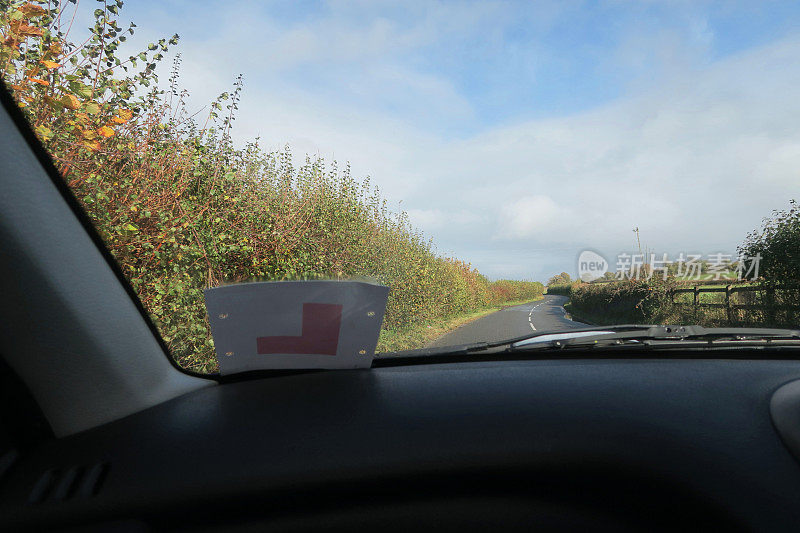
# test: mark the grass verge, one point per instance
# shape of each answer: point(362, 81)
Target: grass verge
point(419, 335)
point(586, 318)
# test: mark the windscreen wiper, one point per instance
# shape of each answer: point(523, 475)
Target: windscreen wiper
point(660, 337)
point(465, 349)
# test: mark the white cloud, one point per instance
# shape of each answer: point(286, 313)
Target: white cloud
point(530, 216)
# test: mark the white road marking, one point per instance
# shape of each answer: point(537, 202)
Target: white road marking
point(530, 317)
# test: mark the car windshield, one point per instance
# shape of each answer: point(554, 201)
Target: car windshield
point(505, 168)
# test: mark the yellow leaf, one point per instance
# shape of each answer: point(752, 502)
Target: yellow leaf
point(44, 132)
point(40, 82)
point(70, 101)
point(118, 120)
point(92, 145)
point(32, 10)
point(105, 131)
point(50, 64)
point(125, 114)
point(92, 108)
point(25, 29)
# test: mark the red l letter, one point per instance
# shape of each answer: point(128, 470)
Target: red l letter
point(320, 333)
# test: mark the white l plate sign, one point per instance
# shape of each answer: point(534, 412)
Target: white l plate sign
point(295, 324)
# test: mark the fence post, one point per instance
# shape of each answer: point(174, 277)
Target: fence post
point(770, 304)
point(694, 302)
point(728, 309)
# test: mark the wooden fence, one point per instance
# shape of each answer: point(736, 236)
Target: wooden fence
point(769, 303)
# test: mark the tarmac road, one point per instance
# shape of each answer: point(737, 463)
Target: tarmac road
point(535, 317)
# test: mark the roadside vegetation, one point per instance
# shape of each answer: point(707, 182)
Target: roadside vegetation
point(560, 284)
point(773, 300)
point(182, 209)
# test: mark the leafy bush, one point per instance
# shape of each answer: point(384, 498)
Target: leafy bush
point(643, 302)
point(778, 244)
point(182, 209)
point(560, 279)
point(564, 289)
point(506, 290)
point(629, 301)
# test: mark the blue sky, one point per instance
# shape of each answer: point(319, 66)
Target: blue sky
point(517, 134)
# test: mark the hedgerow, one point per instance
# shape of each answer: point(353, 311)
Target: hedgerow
point(562, 289)
point(506, 290)
point(624, 302)
point(182, 209)
point(653, 302)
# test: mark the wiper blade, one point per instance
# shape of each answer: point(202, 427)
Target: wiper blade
point(464, 349)
point(664, 336)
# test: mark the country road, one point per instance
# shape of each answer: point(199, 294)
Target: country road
point(542, 315)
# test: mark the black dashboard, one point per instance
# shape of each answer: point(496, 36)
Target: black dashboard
point(569, 444)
